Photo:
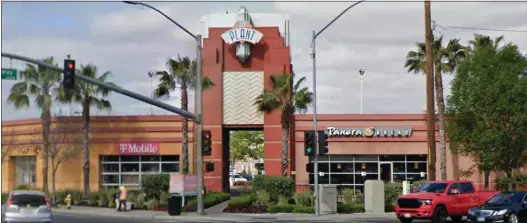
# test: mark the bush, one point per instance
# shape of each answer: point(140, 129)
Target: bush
point(519, 181)
point(239, 202)
point(209, 200)
point(281, 208)
point(276, 186)
point(4, 197)
point(140, 201)
point(305, 198)
point(282, 200)
point(163, 199)
point(350, 208)
point(389, 207)
point(262, 198)
point(392, 191)
point(306, 210)
point(154, 184)
point(350, 196)
point(93, 197)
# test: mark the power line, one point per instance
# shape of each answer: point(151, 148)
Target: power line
point(474, 28)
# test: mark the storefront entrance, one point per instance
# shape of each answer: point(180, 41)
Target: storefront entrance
point(386, 171)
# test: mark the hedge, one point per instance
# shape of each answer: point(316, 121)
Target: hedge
point(276, 186)
point(210, 199)
point(240, 202)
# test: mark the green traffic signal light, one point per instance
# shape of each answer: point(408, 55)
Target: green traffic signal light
point(308, 143)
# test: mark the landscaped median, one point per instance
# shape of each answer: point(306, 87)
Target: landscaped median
point(276, 194)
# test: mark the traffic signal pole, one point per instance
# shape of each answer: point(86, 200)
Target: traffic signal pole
point(114, 88)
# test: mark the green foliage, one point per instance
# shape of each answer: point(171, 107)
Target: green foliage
point(488, 106)
point(286, 97)
point(519, 182)
point(305, 198)
point(5, 196)
point(392, 191)
point(153, 184)
point(350, 196)
point(262, 198)
point(242, 201)
point(246, 144)
point(350, 208)
point(93, 197)
point(304, 210)
point(389, 207)
point(282, 200)
point(281, 208)
point(416, 184)
point(209, 200)
point(276, 186)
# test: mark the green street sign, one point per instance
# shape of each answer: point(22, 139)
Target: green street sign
point(9, 74)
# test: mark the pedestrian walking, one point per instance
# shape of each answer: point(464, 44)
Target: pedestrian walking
point(123, 196)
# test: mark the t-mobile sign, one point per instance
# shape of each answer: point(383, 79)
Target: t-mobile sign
point(139, 148)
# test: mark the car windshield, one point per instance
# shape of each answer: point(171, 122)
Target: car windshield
point(432, 187)
point(506, 198)
point(28, 200)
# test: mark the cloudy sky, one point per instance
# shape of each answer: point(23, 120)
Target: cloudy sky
point(129, 41)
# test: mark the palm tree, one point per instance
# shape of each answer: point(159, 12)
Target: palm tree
point(288, 99)
point(182, 72)
point(88, 95)
point(42, 84)
point(445, 60)
point(483, 41)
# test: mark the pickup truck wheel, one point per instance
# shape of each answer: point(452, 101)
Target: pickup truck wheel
point(456, 218)
point(440, 215)
point(406, 220)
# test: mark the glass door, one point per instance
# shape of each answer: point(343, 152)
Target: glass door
point(386, 171)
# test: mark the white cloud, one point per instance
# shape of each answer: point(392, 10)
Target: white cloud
point(374, 36)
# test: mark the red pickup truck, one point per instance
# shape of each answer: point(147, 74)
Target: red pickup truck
point(437, 200)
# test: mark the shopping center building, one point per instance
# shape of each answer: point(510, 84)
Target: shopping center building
point(241, 51)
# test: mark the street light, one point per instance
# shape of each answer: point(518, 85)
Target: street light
point(151, 74)
point(199, 105)
point(313, 57)
point(361, 72)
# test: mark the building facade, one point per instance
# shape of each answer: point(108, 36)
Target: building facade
point(122, 150)
point(125, 148)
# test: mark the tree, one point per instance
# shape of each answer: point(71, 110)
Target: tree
point(445, 60)
point(42, 84)
point(480, 41)
point(65, 145)
point(182, 72)
point(88, 95)
point(287, 99)
point(245, 145)
point(488, 106)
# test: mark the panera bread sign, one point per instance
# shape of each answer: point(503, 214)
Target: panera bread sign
point(139, 148)
point(369, 132)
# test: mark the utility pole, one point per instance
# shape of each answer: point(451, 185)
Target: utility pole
point(430, 108)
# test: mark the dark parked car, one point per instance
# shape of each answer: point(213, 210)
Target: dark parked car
point(508, 207)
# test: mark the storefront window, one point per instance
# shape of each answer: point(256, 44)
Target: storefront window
point(345, 171)
point(25, 170)
point(127, 170)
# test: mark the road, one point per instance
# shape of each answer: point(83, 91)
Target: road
point(79, 218)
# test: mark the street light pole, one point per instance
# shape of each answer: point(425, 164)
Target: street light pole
point(199, 106)
point(361, 72)
point(315, 127)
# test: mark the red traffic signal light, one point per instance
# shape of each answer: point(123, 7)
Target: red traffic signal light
point(70, 66)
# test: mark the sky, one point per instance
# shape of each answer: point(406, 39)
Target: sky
point(130, 41)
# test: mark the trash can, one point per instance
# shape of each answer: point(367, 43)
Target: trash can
point(174, 204)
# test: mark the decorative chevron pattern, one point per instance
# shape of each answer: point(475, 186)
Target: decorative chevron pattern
point(239, 91)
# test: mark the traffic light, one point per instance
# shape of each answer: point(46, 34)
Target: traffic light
point(309, 144)
point(209, 167)
point(207, 142)
point(323, 143)
point(68, 80)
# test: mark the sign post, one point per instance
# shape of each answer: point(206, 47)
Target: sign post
point(9, 74)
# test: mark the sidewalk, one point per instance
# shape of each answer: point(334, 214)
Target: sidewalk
point(159, 215)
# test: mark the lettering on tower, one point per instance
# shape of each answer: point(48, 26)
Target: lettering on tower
point(243, 35)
